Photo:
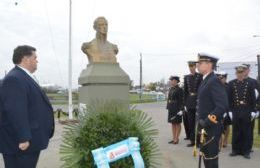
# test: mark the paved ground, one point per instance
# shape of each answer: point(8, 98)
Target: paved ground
point(173, 156)
point(180, 156)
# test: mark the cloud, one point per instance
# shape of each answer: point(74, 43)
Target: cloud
point(167, 32)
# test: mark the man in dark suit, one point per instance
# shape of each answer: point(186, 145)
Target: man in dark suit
point(242, 105)
point(212, 104)
point(191, 85)
point(28, 121)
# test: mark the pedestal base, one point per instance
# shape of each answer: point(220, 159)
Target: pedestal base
point(103, 82)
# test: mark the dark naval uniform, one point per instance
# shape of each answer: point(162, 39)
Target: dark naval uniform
point(242, 102)
point(212, 101)
point(212, 104)
point(191, 85)
point(175, 104)
point(256, 87)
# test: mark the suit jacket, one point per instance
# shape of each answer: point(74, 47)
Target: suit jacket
point(191, 85)
point(27, 114)
point(212, 99)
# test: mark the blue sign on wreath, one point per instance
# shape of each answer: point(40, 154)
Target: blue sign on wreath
point(129, 147)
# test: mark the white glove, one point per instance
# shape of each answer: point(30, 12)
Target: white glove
point(224, 115)
point(185, 108)
point(257, 114)
point(256, 93)
point(253, 115)
point(230, 115)
point(180, 113)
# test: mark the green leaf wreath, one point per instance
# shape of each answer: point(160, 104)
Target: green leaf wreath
point(104, 124)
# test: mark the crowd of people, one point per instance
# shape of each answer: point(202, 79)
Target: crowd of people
point(206, 101)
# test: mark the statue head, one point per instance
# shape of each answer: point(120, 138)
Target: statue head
point(101, 25)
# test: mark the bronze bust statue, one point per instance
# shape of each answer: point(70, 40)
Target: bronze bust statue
point(99, 50)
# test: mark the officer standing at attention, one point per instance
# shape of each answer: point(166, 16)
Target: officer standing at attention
point(191, 85)
point(257, 89)
point(175, 108)
point(212, 104)
point(226, 118)
point(242, 100)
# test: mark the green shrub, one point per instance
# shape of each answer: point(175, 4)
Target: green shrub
point(102, 125)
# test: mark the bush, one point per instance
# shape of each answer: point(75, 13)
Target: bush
point(102, 125)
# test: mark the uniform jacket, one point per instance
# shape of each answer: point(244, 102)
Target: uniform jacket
point(212, 99)
point(242, 98)
point(175, 99)
point(191, 85)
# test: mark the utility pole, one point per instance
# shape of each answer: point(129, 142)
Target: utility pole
point(70, 63)
point(141, 77)
point(258, 79)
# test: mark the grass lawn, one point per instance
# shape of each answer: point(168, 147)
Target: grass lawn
point(134, 99)
point(60, 99)
point(256, 136)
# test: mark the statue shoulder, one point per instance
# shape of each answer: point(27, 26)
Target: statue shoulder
point(115, 48)
point(86, 45)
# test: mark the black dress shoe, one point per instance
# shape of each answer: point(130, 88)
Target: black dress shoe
point(190, 145)
point(186, 138)
point(251, 150)
point(247, 156)
point(233, 154)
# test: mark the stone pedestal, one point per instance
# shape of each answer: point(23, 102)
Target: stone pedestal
point(103, 82)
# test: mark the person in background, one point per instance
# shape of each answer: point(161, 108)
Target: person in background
point(242, 101)
point(226, 118)
point(191, 85)
point(257, 90)
point(175, 108)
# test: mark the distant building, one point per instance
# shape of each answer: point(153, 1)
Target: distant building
point(229, 67)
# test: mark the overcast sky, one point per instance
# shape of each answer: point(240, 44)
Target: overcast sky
point(167, 32)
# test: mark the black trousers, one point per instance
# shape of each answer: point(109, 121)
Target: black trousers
point(192, 123)
point(242, 135)
point(21, 160)
point(211, 163)
point(186, 124)
point(211, 147)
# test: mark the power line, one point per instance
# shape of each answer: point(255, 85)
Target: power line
point(52, 41)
